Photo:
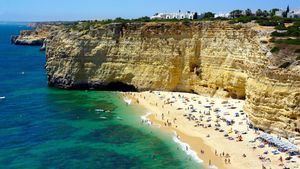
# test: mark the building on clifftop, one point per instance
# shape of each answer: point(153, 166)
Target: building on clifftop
point(294, 14)
point(176, 15)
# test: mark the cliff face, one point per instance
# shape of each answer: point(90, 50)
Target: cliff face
point(214, 58)
point(35, 37)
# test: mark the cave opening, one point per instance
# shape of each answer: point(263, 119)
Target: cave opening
point(119, 86)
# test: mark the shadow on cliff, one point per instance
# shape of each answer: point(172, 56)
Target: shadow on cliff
point(118, 86)
point(112, 86)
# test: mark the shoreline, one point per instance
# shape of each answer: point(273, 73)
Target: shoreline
point(210, 146)
point(191, 141)
point(150, 120)
point(193, 145)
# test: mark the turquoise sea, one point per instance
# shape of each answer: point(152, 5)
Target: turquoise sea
point(42, 127)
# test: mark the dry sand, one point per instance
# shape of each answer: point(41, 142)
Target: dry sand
point(167, 106)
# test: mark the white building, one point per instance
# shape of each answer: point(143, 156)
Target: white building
point(291, 14)
point(176, 15)
point(222, 15)
point(294, 14)
point(279, 13)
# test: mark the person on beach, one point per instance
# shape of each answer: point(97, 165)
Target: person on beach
point(280, 159)
point(216, 153)
point(209, 163)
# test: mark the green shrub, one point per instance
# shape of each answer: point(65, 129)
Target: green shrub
point(186, 22)
point(293, 30)
point(288, 41)
point(208, 15)
point(143, 19)
point(280, 26)
point(242, 19)
point(274, 21)
point(263, 22)
point(279, 34)
point(288, 20)
point(275, 50)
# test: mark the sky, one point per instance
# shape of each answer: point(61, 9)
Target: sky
point(69, 10)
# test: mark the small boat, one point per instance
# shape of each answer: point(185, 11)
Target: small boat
point(2, 97)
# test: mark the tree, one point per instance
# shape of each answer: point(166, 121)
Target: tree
point(144, 19)
point(248, 12)
point(208, 15)
point(259, 12)
point(286, 12)
point(273, 11)
point(265, 13)
point(236, 13)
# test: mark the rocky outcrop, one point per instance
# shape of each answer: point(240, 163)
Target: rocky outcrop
point(213, 58)
point(35, 37)
point(28, 37)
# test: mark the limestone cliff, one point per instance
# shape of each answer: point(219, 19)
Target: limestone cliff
point(34, 37)
point(214, 58)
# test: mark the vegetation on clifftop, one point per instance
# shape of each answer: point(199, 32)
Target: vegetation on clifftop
point(284, 44)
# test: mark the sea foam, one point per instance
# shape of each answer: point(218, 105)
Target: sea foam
point(188, 151)
point(128, 101)
point(145, 118)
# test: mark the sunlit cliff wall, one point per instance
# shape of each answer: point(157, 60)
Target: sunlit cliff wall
point(212, 58)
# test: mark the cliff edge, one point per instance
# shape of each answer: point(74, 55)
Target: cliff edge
point(212, 58)
point(34, 37)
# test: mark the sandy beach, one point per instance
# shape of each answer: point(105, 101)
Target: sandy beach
point(216, 129)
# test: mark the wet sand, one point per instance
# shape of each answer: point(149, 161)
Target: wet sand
point(207, 139)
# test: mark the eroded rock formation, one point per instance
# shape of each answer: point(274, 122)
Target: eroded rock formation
point(34, 37)
point(214, 58)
